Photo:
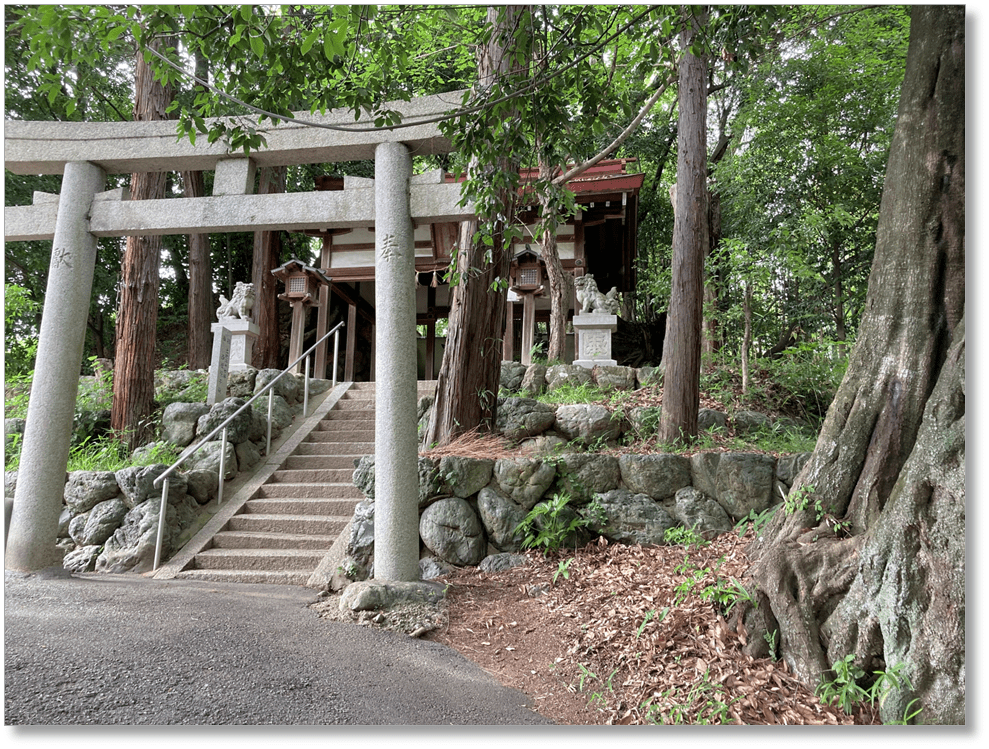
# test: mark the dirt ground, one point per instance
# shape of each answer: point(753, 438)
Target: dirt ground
point(613, 634)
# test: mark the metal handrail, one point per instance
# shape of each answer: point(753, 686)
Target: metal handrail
point(163, 478)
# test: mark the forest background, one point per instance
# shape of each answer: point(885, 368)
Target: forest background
point(801, 107)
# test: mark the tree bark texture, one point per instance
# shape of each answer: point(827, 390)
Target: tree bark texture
point(133, 374)
point(915, 299)
point(201, 306)
point(267, 251)
point(682, 347)
point(467, 385)
point(711, 341)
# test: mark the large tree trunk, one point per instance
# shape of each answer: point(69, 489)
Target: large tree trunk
point(267, 249)
point(133, 374)
point(201, 306)
point(859, 469)
point(200, 284)
point(467, 385)
point(682, 347)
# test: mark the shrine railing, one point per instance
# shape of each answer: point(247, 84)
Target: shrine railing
point(162, 480)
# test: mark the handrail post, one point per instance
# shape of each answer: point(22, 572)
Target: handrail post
point(336, 354)
point(305, 397)
point(223, 470)
point(161, 523)
point(267, 449)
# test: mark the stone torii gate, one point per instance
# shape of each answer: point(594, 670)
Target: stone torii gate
point(84, 153)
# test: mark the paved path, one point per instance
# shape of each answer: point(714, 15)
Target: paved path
point(125, 649)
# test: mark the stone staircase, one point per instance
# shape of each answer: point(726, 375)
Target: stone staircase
point(289, 523)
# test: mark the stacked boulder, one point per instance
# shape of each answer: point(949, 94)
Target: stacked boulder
point(471, 508)
point(109, 521)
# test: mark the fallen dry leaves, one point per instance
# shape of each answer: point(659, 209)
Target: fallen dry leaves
point(621, 635)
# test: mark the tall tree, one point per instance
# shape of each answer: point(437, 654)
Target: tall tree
point(267, 250)
point(682, 348)
point(133, 374)
point(471, 366)
point(200, 270)
point(889, 465)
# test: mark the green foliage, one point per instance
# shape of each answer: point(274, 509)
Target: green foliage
point(727, 593)
point(800, 499)
point(551, 524)
point(568, 394)
point(771, 639)
point(563, 569)
point(843, 690)
point(20, 337)
point(682, 536)
point(194, 391)
point(705, 703)
point(846, 688)
point(757, 520)
point(649, 617)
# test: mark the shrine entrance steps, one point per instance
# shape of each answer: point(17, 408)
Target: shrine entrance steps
point(279, 528)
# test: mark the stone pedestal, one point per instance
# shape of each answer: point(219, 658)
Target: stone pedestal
point(594, 334)
point(243, 334)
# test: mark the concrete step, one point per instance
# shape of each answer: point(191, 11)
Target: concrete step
point(302, 524)
point(254, 577)
point(267, 540)
point(275, 560)
point(336, 449)
point(295, 506)
point(313, 476)
point(353, 446)
point(351, 414)
point(348, 435)
point(309, 491)
point(321, 462)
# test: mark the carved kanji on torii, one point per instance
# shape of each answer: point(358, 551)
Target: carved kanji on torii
point(393, 204)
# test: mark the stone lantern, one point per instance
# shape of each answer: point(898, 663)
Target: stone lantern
point(302, 285)
point(526, 279)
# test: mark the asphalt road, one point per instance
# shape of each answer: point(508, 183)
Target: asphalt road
point(129, 650)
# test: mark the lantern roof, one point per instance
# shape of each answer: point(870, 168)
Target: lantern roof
point(296, 266)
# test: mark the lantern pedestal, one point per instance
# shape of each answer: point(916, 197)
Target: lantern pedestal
point(243, 334)
point(595, 332)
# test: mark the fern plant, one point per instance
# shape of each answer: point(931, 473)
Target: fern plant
point(550, 524)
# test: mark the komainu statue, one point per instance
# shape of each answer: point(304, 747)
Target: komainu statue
point(591, 300)
point(239, 306)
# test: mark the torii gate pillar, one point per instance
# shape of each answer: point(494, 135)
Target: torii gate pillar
point(48, 431)
point(396, 442)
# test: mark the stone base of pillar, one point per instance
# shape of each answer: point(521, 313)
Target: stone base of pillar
point(595, 332)
point(243, 335)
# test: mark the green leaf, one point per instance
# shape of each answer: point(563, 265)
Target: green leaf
point(257, 45)
point(114, 33)
point(309, 41)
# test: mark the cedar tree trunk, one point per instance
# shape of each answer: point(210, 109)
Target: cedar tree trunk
point(267, 249)
point(200, 285)
point(682, 347)
point(467, 385)
point(133, 374)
